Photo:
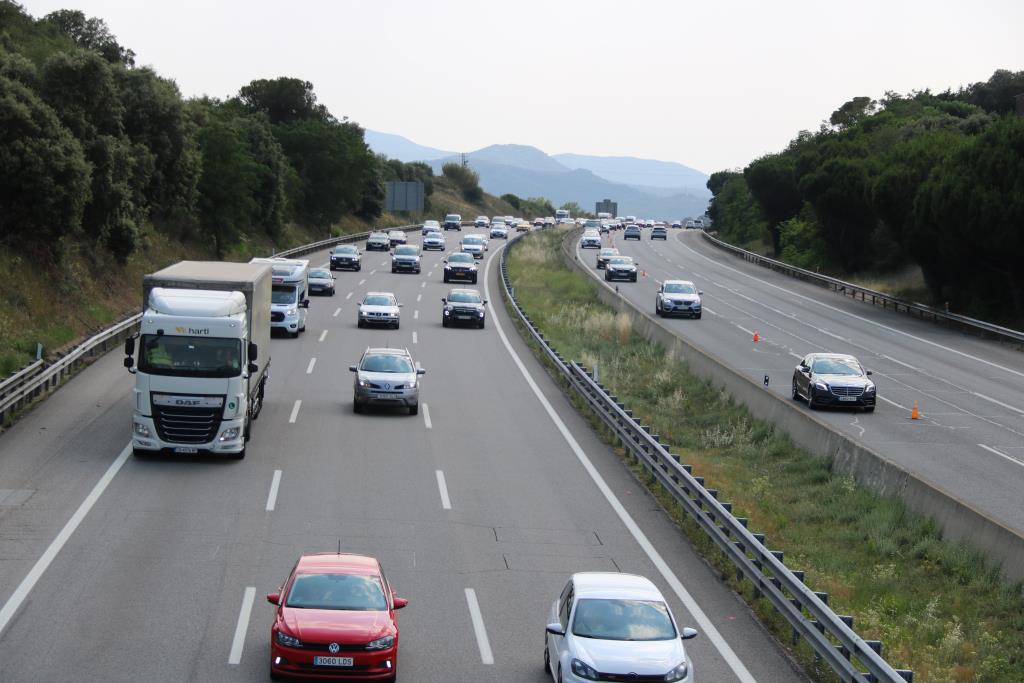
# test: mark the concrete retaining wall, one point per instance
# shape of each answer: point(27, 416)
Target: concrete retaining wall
point(958, 520)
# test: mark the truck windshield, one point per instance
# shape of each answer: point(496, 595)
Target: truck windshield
point(283, 294)
point(190, 356)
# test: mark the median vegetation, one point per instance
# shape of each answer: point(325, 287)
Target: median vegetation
point(938, 608)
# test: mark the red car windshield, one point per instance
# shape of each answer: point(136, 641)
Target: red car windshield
point(337, 591)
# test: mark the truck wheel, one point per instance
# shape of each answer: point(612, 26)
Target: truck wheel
point(482, 323)
point(444, 322)
point(446, 278)
point(293, 335)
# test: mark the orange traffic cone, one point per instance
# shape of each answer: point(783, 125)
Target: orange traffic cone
point(914, 415)
point(643, 273)
point(757, 337)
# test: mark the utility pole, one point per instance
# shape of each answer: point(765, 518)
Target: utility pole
point(465, 160)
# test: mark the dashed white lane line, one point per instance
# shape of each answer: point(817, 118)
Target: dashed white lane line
point(419, 297)
point(275, 484)
point(242, 626)
point(1001, 454)
point(323, 335)
point(372, 272)
point(14, 602)
point(309, 368)
point(349, 296)
point(426, 416)
point(691, 605)
point(337, 311)
point(442, 488)
point(486, 656)
point(416, 314)
point(708, 310)
point(414, 339)
point(295, 411)
point(998, 402)
point(363, 281)
point(423, 284)
point(891, 402)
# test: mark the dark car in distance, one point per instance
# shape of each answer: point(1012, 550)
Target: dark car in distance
point(833, 379)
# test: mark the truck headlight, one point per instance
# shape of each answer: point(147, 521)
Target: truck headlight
point(142, 430)
point(229, 434)
point(292, 312)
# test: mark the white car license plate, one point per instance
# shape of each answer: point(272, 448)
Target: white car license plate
point(847, 398)
point(332, 661)
point(185, 449)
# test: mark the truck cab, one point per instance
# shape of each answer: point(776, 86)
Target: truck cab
point(289, 299)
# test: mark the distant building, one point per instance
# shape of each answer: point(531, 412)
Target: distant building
point(608, 206)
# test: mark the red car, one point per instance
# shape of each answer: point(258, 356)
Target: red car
point(335, 619)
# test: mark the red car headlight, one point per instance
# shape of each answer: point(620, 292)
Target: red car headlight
point(287, 640)
point(381, 643)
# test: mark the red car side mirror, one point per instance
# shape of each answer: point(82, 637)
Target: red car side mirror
point(273, 598)
point(400, 602)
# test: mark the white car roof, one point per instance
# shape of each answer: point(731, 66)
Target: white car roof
point(615, 585)
point(679, 282)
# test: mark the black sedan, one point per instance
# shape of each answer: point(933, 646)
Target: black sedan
point(463, 307)
point(833, 379)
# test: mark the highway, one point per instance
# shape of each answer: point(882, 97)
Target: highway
point(969, 439)
point(114, 568)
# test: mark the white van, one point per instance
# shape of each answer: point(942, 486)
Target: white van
point(289, 294)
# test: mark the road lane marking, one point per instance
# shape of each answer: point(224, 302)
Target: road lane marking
point(275, 484)
point(426, 416)
point(349, 295)
point(891, 402)
point(414, 340)
point(416, 314)
point(478, 627)
point(336, 312)
point(295, 411)
point(423, 284)
point(1002, 455)
point(363, 281)
point(998, 402)
point(691, 605)
point(242, 626)
point(323, 335)
point(418, 297)
point(14, 602)
point(442, 488)
point(309, 368)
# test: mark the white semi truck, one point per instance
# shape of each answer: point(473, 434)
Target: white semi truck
point(290, 293)
point(204, 358)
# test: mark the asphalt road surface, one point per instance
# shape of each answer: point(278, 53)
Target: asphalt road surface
point(969, 439)
point(114, 568)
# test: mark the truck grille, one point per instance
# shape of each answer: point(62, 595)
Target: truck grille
point(276, 317)
point(186, 425)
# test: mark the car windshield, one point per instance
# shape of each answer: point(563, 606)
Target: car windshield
point(609, 252)
point(387, 363)
point(190, 356)
point(430, 224)
point(460, 258)
point(632, 228)
point(471, 239)
point(410, 250)
point(676, 288)
point(464, 297)
point(453, 217)
point(378, 300)
point(345, 249)
point(623, 620)
point(378, 236)
point(621, 260)
point(282, 294)
point(325, 274)
point(337, 591)
point(837, 366)
point(396, 233)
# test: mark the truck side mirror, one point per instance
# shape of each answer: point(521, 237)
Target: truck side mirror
point(129, 362)
point(252, 368)
point(254, 351)
point(129, 346)
point(305, 303)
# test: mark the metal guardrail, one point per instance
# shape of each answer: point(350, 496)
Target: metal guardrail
point(829, 635)
point(877, 298)
point(38, 378)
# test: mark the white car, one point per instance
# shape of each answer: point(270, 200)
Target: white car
point(429, 226)
point(378, 308)
point(434, 240)
point(474, 244)
point(591, 238)
point(481, 222)
point(499, 231)
point(607, 626)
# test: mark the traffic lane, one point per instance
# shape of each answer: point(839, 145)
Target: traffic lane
point(53, 456)
point(889, 429)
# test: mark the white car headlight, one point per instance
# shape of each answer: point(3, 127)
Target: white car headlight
point(869, 389)
point(381, 643)
point(292, 312)
point(584, 670)
point(821, 386)
point(679, 673)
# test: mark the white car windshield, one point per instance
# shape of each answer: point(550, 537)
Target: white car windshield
point(472, 239)
point(622, 620)
point(676, 288)
point(337, 591)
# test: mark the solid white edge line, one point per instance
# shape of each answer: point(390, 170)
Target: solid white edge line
point(275, 484)
point(242, 626)
point(295, 411)
point(655, 557)
point(426, 417)
point(323, 335)
point(486, 656)
point(309, 368)
point(14, 602)
point(1001, 454)
point(442, 488)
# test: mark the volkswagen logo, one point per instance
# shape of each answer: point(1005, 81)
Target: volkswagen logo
point(334, 648)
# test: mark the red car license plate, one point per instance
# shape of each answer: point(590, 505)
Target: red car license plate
point(332, 661)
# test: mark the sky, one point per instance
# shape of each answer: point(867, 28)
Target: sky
point(710, 84)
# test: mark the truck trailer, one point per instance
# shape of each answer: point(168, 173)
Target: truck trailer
point(204, 358)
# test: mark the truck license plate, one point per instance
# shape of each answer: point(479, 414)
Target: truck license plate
point(186, 449)
point(332, 661)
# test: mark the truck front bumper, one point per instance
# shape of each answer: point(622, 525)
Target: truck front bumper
point(230, 439)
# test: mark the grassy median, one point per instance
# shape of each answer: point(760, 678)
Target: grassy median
point(938, 607)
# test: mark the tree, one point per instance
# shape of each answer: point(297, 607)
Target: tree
point(466, 179)
point(90, 33)
point(838, 192)
point(228, 183)
point(284, 101)
point(772, 182)
point(44, 177)
point(852, 112)
point(513, 201)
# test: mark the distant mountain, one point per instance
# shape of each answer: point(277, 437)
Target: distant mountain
point(642, 187)
point(403, 149)
point(638, 172)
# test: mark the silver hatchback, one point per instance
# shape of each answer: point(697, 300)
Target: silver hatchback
point(386, 377)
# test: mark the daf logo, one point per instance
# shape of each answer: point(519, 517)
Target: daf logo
point(334, 648)
point(187, 401)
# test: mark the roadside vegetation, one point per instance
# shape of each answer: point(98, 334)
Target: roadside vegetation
point(931, 180)
point(938, 607)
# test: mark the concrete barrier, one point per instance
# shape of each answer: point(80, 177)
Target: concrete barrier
point(958, 520)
